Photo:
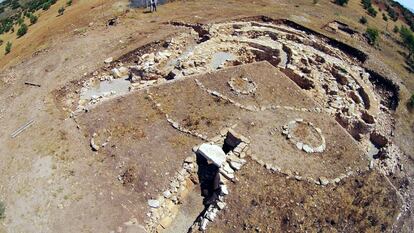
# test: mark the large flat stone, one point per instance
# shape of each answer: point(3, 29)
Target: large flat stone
point(213, 153)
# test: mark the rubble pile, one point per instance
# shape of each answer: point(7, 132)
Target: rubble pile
point(162, 207)
point(228, 165)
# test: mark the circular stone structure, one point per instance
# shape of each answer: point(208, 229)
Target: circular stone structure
point(242, 85)
point(305, 136)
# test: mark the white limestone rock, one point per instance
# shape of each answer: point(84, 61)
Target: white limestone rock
point(121, 72)
point(323, 181)
point(154, 203)
point(212, 153)
point(108, 60)
point(307, 148)
point(224, 189)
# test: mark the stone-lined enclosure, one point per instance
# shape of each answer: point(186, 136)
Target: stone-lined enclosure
point(300, 111)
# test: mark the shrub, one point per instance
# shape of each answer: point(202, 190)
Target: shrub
point(366, 4)
point(46, 6)
point(22, 30)
point(384, 17)
point(2, 210)
point(396, 29)
point(1, 42)
point(61, 10)
point(34, 5)
point(408, 38)
point(8, 47)
point(372, 11)
point(69, 2)
point(341, 2)
point(363, 20)
point(372, 35)
point(6, 26)
point(412, 100)
point(392, 13)
point(20, 21)
point(33, 19)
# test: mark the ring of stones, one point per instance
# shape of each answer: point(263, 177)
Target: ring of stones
point(301, 143)
point(242, 85)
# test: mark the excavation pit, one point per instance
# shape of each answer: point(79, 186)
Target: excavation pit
point(155, 123)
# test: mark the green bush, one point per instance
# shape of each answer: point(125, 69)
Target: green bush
point(33, 19)
point(412, 100)
point(396, 29)
point(366, 4)
point(46, 6)
point(408, 38)
point(20, 21)
point(34, 5)
point(8, 47)
point(363, 20)
point(6, 25)
point(372, 34)
point(392, 13)
point(2, 210)
point(384, 17)
point(69, 2)
point(22, 30)
point(372, 12)
point(341, 2)
point(61, 10)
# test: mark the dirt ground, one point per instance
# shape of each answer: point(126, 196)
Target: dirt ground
point(51, 180)
point(266, 202)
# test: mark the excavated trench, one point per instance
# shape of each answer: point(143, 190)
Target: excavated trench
point(328, 70)
point(386, 89)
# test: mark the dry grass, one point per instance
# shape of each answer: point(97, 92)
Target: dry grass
point(266, 202)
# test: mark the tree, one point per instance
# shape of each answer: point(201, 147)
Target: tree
point(8, 47)
point(372, 34)
point(341, 2)
point(363, 20)
point(61, 10)
point(408, 38)
point(22, 30)
point(372, 11)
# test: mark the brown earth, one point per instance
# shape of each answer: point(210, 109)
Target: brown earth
point(265, 202)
